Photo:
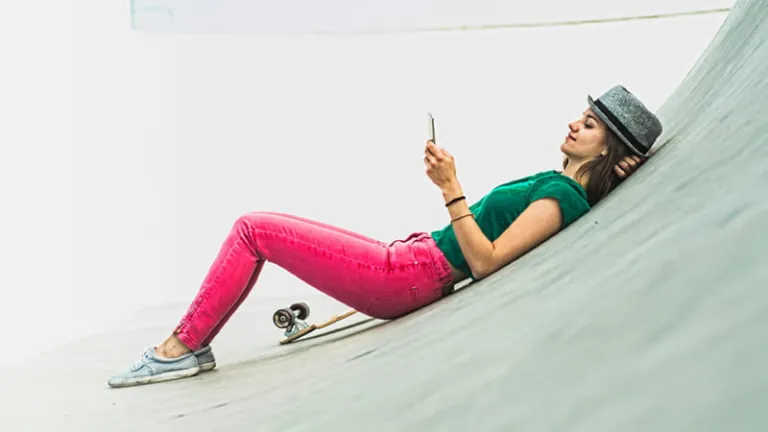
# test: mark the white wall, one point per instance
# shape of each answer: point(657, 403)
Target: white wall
point(127, 156)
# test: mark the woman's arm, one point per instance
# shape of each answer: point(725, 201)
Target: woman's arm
point(539, 221)
point(475, 246)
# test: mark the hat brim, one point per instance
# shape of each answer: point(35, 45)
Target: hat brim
point(613, 127)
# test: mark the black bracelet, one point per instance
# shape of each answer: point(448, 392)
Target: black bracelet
point(455, 200)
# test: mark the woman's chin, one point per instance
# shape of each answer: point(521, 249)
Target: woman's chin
point(569, 149)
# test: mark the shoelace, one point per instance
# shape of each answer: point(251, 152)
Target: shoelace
point(140, 362)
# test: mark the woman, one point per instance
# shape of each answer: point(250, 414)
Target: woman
point(389, 280)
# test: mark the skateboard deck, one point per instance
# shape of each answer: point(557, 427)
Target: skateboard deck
point(309, 329)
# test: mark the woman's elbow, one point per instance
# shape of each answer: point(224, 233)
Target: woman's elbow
point(482, 272)
point(492, 265)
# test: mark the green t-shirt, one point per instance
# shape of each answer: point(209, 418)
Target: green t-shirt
point(504, 203)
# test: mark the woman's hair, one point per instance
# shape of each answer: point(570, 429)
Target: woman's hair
point(601, 177)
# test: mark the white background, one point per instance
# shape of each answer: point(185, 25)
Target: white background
point(126, 156)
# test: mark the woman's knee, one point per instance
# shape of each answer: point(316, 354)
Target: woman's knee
point(259, 226)
point(255, 220)
point(248, 226)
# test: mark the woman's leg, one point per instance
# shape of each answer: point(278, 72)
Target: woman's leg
point(378, 279)
point(257, 271)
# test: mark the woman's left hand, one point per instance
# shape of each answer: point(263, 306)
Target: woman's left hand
point(627, 166)
point(440, 166)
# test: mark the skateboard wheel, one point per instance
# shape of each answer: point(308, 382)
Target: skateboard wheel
point(283, 318)
point(302, 310)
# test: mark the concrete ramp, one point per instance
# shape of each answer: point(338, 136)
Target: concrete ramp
point(648, 314)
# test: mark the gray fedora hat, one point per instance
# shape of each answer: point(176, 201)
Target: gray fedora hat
point(626, 116)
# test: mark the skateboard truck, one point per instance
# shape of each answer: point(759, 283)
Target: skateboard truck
point(292, 319)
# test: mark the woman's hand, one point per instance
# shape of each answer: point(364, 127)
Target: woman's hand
point(627, 166)
point(440, 166)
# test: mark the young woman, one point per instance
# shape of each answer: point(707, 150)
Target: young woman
point(388, 280)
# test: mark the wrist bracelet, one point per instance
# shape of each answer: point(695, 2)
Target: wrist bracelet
point(455, 200)
point(461, 217)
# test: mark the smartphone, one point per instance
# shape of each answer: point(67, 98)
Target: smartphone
point(431, 127)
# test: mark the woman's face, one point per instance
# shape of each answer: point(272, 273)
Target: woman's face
point(587, 138)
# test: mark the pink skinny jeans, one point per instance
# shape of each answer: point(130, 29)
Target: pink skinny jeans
point(381, 280)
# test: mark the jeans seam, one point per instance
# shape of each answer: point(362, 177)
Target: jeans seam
point(324, 249)
point(205, 294)
point(440, 268)
point(218, 276)
point(191, 342)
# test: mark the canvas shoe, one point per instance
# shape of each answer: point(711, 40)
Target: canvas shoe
point(151, 368)
point(205, 359)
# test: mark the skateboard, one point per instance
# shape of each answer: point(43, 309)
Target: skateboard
point(292, 319)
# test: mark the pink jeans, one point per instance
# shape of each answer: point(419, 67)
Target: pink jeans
point(378, 279)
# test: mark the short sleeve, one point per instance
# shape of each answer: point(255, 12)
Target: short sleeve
point(573, 203)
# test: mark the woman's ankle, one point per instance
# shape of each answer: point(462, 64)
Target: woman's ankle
point(172, 348)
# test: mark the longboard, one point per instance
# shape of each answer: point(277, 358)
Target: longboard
point(292, 320)
point(314, 327)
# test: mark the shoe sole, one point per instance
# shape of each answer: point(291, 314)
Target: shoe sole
point(207, 366)
point(167, 376)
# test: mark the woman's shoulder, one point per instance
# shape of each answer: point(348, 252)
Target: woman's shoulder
point(523, 182)
point(570, 194)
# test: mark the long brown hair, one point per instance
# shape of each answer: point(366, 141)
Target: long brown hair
point(601, 178)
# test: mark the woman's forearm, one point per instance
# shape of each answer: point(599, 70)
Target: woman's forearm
point(475, 246)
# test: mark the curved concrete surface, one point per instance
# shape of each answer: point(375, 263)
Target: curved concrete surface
point(649, 313)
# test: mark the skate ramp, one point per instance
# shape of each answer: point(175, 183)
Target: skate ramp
point(649, 313)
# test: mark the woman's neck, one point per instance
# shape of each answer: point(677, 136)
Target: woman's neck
point(572, 169)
